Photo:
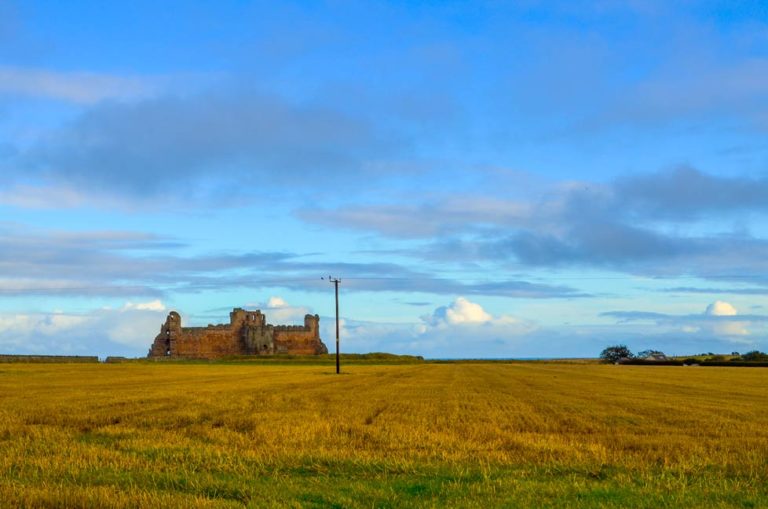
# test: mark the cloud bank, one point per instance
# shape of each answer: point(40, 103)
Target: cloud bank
point(462, 327)
point(93, 263)
point(127, 331)
point(666, 224)
point(225, 143)
point(451, 331)
point(720, 320)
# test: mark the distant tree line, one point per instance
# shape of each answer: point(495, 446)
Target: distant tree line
point(755, 355)
point(617, 353)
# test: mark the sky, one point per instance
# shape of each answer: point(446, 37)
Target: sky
point(487, 179)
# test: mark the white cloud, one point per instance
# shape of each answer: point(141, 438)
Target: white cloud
point(720, 308)
point(464, 313)
point(460, 311)
point(276, 302)
point(726, 328)
point(464, 328)
point(153, 305)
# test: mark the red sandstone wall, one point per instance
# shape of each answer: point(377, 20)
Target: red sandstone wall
point(205, 343)
point(210, 343)
point(296, 341)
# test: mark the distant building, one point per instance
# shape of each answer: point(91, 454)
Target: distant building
point(247, 333)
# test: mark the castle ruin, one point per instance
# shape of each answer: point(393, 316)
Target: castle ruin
point(247, 333)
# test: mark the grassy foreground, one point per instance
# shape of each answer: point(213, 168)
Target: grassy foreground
point(423, 435)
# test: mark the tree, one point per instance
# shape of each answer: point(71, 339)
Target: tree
point(615, 353)
point(649, 353)
point(755, 355)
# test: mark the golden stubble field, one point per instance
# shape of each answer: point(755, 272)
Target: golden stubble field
point(431, 435)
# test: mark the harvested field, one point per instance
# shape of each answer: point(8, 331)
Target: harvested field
point(421, 435)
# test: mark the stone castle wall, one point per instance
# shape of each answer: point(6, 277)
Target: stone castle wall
point(248, 333)
point(297, 339)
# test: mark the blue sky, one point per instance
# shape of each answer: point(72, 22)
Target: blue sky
point(488, 179)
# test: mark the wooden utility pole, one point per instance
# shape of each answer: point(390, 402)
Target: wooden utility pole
point(336, 282)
